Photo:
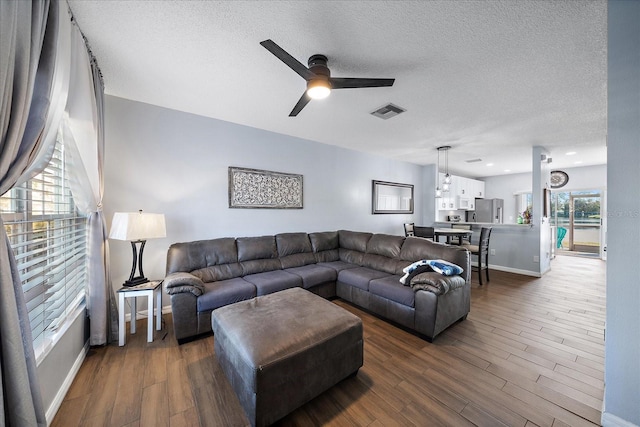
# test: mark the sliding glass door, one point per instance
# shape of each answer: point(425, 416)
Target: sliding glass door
point(577, 216)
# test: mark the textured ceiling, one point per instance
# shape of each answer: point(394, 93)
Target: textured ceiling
point(489, 78)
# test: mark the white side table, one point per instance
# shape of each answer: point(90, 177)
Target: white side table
point(144, 290)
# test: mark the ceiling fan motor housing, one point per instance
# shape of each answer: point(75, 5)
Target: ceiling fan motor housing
point(318, 66)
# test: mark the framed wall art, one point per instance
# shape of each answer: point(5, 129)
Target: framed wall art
point(262, 189)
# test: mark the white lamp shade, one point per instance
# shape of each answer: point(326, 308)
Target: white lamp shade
point(135, 226)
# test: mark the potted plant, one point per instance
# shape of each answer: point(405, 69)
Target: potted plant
point(526, 215)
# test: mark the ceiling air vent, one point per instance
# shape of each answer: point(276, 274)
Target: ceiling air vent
point(387, 111)
point(473, 160)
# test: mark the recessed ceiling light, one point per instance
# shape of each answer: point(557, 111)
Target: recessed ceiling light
point(489, 164)
point(570, 153)
point(507, 170)
point(578, 162)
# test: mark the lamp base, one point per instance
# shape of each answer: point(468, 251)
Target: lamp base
point(137, 263)
point(135, 281)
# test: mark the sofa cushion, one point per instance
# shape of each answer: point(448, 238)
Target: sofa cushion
point(391, 289)
point(360, 276)
point(354, 240)
point(338, 266)
point(258, 254)
point(200, 254)
point(224, 292)
point(325, 246)
point(294, 249)
point(273, 281)
point(214, 273)
point(353, 245)
point(262, 247)
point(386, 245)
point(314, 275)
point(417, 248)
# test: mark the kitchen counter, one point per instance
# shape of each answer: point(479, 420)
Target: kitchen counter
point(480, 224)
point(515, 248)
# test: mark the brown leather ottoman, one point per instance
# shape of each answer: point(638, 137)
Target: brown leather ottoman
point(281, 350)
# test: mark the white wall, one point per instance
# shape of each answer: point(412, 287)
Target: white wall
point(505, 186)
point(170, 162)
point(622, 345)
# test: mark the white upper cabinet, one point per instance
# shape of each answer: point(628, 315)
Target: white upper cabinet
point(461, 195)
point(478, 189)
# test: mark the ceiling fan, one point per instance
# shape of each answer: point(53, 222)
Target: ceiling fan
point(318, 77)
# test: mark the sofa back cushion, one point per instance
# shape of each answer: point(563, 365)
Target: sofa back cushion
point(258, 254)
point(294, 249)
point(210, 260)
point(417, 248)
point(353, 245)
point(383, 251)
point(325, 246)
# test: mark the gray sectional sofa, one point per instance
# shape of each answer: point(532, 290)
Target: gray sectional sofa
point(362, 268)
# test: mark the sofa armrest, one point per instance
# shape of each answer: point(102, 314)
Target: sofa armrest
point(181, 282)
point(423, 278)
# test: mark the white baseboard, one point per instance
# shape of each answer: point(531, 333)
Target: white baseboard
point(610, 420)
point(511, 270)
point(62, 392)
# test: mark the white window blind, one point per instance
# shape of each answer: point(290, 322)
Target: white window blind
point(48, 238)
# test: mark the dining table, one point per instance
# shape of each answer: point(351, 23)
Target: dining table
point(458, 233)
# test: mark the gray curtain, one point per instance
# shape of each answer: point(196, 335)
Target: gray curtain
point(84, 138)
point(28, 36)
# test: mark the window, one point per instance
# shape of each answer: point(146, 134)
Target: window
point(48, 238)
point(524, 201)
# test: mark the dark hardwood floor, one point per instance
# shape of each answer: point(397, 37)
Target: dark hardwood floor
point(531, 353)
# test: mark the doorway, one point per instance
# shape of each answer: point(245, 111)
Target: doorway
point(578, 218)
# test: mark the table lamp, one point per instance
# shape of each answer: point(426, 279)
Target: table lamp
point(137, 227)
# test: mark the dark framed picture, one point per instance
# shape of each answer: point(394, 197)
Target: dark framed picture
point(391, 198)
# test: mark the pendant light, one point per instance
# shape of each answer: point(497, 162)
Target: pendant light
point(447, 178)
point(438, 190)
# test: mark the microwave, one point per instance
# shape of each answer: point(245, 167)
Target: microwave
point(466, 203)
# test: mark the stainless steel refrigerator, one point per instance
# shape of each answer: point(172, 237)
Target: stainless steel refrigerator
point(489, 210)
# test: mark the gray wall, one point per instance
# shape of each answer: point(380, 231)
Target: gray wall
point(170, 162)
point(59, 366)
point(622, 347)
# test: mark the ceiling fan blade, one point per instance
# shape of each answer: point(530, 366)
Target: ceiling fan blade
point(302, 102)
point(292, 62)
point(351, 83)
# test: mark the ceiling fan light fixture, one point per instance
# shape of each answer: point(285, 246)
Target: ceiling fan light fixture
point(318, 89)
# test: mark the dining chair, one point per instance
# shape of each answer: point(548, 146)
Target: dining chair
point(462, 241)
point(481, 250)
point(426, 232)
point(408, 229)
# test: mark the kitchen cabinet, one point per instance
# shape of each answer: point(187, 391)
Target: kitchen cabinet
point(461, 195)
point(476, 189)
point(448, 200)
point(465, 189)
point(462, 186)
